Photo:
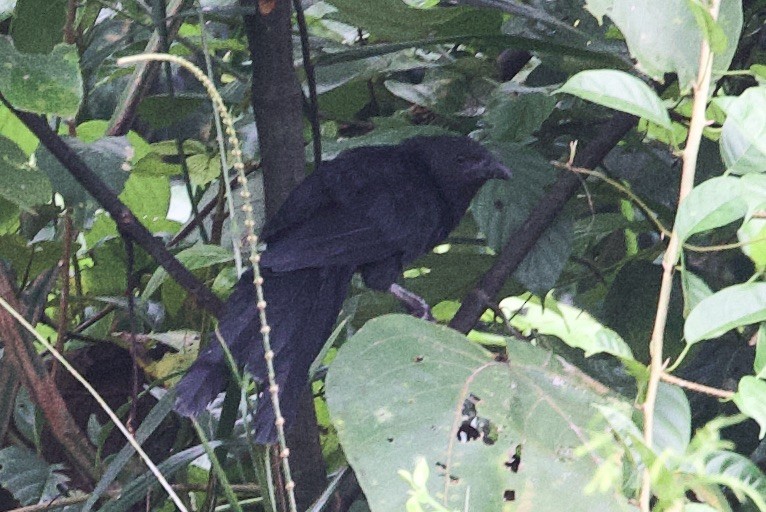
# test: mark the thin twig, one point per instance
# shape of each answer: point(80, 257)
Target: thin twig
point(316, 134)
point(696, 386)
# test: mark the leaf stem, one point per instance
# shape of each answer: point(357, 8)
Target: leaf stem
point(673, 252)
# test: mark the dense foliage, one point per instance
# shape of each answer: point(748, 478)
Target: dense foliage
point(607, 303)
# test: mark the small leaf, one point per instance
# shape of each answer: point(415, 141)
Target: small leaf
point(620, 91)
point(743, 139)
point(732, 307)
point(752, 234)
point(712, 31)
point(760, 352)
point(513, 117)
point(21, 184)
point(695, 290)
point(198, 256)
point(751, 400)
point(711, 204)
point(420, 475)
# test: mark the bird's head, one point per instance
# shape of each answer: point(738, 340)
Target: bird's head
point(457, 160)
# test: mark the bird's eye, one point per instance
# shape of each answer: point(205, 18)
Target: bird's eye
point(460, 159)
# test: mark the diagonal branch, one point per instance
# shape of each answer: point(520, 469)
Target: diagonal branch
point(127, 223)
point(543, 214)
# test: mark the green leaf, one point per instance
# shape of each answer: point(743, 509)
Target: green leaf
point(653, 32)
point(672, 420)
point(198, 256)
point(394, 20)
point(759, 364)
point(501, 207)
point(380, 137)
point(695, 290)
point(20, 183)
point(161, 110)
point(753, 234)
point(108, 158)
point(138, 488)
point(751, 400)
point(732, 307)
point(739, 474)
point(711, 204)
point(743, 139)
point(16, 131)
point(572, 325)
point(38, 25)
point(416, 377)
point(620, 91)
point(711, 30)
point(203, 169)
point(43, 84)
point(513, 118)
point(31, 480)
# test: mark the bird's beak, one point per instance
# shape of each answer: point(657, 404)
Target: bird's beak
point(496, 170)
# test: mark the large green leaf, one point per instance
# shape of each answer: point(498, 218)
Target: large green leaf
point(620, 91)
point(732, 307)
point(402, 389)
point(44, 84)
point(665, 37)
point(20, 183)
point(743, 140)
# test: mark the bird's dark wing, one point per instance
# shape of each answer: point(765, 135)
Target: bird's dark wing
point(365, 206)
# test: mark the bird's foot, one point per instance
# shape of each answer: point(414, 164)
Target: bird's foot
point(415, 304)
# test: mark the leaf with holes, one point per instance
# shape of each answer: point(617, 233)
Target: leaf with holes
point(402, 389)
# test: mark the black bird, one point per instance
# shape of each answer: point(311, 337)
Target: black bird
point(371, 210)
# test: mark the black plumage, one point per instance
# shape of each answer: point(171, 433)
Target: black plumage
point(371, 210)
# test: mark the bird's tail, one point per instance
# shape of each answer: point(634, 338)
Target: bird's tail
point(302, 307)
